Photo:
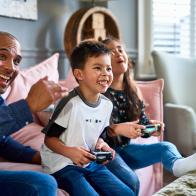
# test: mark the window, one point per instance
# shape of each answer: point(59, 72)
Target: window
point(174, 26)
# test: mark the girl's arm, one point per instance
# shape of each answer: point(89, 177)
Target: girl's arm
point(78, 154)
point(131, 130)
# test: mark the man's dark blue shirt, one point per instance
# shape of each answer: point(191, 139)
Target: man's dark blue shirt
point(12, 118)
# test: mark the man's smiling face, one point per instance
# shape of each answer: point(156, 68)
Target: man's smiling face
point(10, 57)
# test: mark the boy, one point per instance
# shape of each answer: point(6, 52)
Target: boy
point(75, 132)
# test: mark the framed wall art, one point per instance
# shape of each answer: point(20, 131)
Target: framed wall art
point(23, 9)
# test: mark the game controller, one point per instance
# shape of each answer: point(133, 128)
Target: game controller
point(150, 129)
point(102, 156)
point(144, 120)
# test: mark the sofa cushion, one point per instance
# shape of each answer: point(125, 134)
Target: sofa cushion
point(70, 81)
point(26, 78)
point(152, 92)
point(30, 135)
point(152, 176)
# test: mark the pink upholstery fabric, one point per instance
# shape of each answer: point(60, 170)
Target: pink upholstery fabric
point(151, 178)
point(70, 81)
point(30, 135)
point(26, 78)
point(152, 92)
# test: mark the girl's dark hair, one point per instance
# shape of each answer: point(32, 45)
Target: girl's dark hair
point(86, 49)
point(134, 103)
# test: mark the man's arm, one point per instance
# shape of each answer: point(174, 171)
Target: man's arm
point(13, 117)
point(16, 115)
point(43, 93)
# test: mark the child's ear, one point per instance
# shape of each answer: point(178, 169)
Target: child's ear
point(78, 74)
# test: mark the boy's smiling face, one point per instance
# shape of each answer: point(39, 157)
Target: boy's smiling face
point(96, 76)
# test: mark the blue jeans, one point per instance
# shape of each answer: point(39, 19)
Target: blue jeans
point(136, 156)
point(27, 183)
point(93, 180)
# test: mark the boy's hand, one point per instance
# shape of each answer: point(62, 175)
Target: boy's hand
point(80, 156)
point(103, 146)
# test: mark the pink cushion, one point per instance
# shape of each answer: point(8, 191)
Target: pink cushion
point(151, 178)
point(70, 81)
point(26, 78)
point(30, 135)
point(152, 92)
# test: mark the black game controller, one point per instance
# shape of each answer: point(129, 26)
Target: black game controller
point(144, 120)
point(102, 156)
point(150, 129)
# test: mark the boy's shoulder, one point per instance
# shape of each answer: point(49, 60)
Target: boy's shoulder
point(103, 97)
point(67, 98)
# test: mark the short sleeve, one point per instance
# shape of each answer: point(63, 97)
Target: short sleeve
point(57, 126)
point(63, 118)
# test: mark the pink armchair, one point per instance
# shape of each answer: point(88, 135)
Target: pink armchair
point(150, 177)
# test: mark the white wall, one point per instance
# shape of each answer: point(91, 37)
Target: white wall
point(126, 13)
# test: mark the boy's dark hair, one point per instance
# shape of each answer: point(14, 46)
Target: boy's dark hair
point(84, 50)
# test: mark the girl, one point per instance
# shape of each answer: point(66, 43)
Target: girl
point(128, 108)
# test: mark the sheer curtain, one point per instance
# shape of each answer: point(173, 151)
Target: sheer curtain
point(166, 25)
point(173, 26)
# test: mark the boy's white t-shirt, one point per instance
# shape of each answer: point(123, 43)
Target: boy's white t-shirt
point(83, 125)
